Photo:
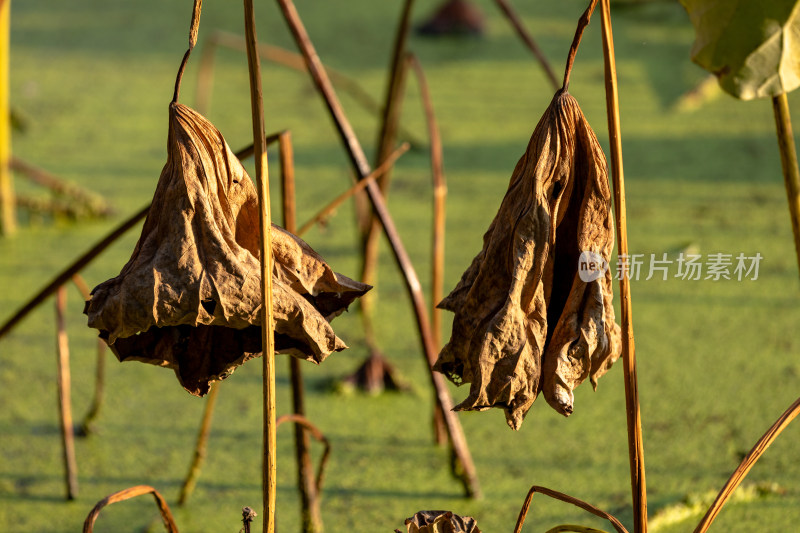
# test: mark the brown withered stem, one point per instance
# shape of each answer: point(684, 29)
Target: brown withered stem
point(64, 400)
point(127, 494)
point(362, 167)
point(201, 447)
point(747, 463)
point(439, 197)
point(392, 106)
point(376, 371)
point(193, 27)
point(528, 40)
point(576, 41)
point(564, 498)
point(307, 426)
point(311, 518)
point(84, 260)
point(87, 426)
point(791, 173)
point(437, 243)
point(634, 418)
point(269, 481)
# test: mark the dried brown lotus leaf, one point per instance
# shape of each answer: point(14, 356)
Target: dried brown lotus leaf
point(441, 522)
point(189, 297)
point(524, 320)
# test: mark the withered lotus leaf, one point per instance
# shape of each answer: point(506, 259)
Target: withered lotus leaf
point(525, 320)
point(190, 295)
point(441, 522)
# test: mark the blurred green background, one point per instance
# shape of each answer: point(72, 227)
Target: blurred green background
point(717, 360)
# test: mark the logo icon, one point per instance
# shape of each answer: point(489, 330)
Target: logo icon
point(591, 266)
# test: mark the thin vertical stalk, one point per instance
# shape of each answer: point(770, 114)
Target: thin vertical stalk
point(791, 173)
point(286, 155)
point(64, 401)
point(8, 216)
point(201, 447)
point(264, 216)
point(634, 419)
point(527, 38)
point(203, 434)
point(437, 244)
point(393, 102)
point(194, 26)
point(309, 497)
point(390, 120)
point(413, 286)
point(87, 426)
point(439, 199)
point(576, 41)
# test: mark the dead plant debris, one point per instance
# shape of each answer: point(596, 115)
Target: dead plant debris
point(441, 522)
point(525, 320)
point(189, 297)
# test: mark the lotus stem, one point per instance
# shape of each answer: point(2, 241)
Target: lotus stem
point(634, 419)
point(791, 173)
point(303, 422)
point(201, 447)
point(392, 107)
point(87, 426)
point(747, 463)
point(64, 400)
point(567, 499)
point(8, 215)
point(127, 494)
point(576, 41)
point(267, 327)
point(439, 219)
point(309, 499)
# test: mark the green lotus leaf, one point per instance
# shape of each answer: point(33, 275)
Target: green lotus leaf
point(752, 46)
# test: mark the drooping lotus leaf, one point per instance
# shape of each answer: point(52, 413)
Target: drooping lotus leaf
point(189, 298)
point(441, 522)
point(525, 319)
point(753, 47)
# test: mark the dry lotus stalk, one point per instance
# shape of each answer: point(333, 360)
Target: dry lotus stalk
point(441, 522)
point(189, 297)
point(525, 321)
